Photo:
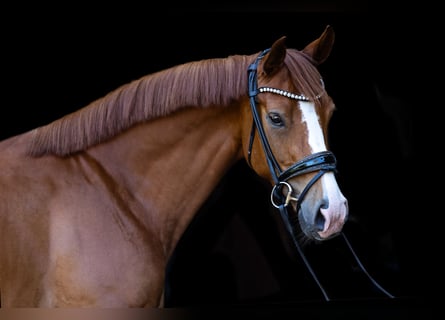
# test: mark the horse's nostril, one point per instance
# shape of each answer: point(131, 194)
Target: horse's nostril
point(319, 221)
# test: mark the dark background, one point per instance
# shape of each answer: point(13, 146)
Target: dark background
point(56, 60)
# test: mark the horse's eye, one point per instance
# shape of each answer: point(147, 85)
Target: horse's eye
point(276, 120)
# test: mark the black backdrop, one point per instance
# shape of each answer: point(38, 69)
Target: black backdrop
point(233, 252)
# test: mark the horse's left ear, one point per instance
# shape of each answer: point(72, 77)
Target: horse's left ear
point(320, 49)
point(275, 58)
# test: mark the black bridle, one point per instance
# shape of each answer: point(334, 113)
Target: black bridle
point(322, 162)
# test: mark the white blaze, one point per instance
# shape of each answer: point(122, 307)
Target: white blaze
point(316, 140)
point(315, 134)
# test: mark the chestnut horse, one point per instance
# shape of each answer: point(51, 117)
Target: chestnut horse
point(93, 204)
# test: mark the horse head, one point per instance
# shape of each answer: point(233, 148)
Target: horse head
point(291, 111)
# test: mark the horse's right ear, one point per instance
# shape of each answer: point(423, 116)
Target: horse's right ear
point(320, 49)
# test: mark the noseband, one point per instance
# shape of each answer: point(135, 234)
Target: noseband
point(321, 161)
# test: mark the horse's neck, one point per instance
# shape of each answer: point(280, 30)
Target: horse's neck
point(171, 165)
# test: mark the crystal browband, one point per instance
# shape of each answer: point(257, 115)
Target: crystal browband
point(285, 93)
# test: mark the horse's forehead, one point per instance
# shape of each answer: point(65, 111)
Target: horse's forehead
point(280, 79)
point(284, 78)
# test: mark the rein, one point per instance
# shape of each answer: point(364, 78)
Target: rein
point(322, 162)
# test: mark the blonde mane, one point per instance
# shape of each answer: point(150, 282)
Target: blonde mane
point(200, 83)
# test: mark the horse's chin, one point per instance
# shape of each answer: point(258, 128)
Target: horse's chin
point(315, 236)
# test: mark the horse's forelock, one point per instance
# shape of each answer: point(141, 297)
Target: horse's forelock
point(306, 77)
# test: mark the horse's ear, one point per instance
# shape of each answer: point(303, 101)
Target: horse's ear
point(274, 59)
point(320, 48)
